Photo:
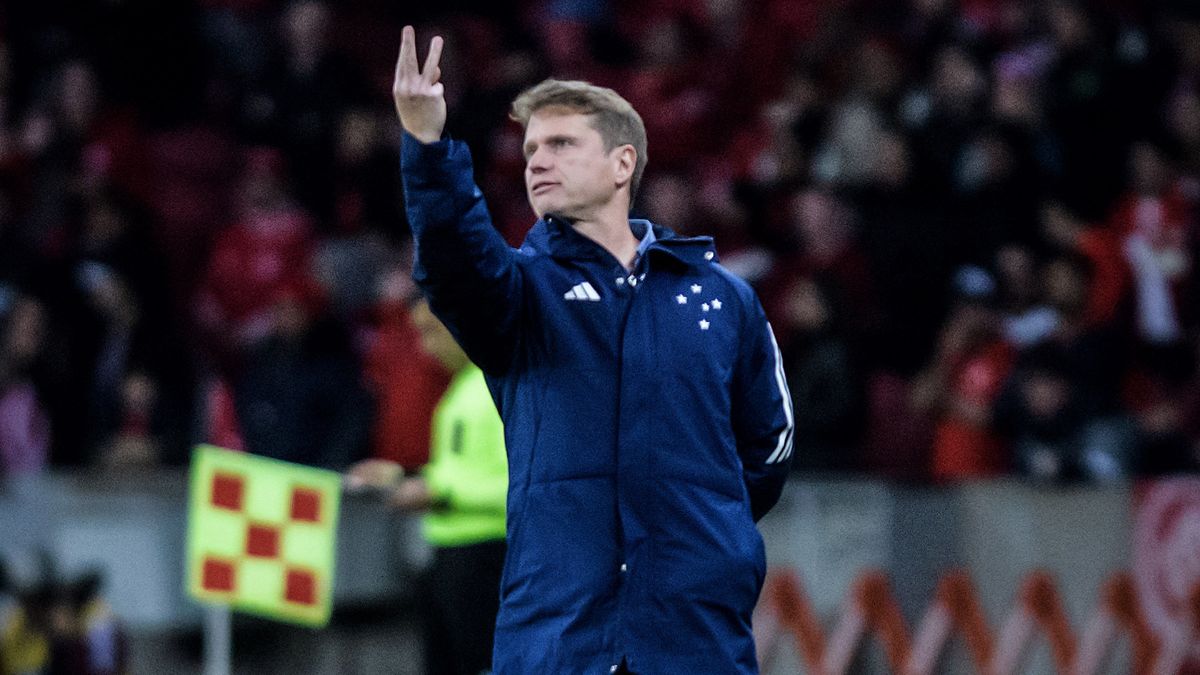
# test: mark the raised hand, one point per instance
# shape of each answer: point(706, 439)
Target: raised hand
point(420, 98)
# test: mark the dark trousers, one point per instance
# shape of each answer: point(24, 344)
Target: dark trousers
point(461, 599)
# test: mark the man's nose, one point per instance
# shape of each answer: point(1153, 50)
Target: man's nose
point(539, 161)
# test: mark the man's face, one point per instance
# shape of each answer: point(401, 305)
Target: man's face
point(567, 171)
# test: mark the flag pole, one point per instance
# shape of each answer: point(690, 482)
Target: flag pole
point(218, 640)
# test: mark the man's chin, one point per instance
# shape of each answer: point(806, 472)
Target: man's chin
point(557, 208)
point(541, 208)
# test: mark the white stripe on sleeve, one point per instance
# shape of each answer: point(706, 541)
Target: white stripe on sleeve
point(783, 447)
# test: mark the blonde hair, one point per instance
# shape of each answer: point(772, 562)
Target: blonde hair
point(611, 115)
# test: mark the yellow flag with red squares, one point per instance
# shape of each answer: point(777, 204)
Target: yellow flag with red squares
point(262, 534)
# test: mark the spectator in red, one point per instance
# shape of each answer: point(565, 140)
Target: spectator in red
point(1100, 248)
point(406, 381)
point(1155, 223)
point(669, 83)
point(254, 258)
point(960, 387)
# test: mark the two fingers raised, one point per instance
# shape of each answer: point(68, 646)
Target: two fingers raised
point(407, 71)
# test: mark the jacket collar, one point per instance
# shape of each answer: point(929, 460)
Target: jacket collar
point(555, 236)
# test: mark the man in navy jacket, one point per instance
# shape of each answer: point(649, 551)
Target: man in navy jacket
point(646, 415)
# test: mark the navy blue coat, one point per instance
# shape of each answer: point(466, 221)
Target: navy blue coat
point(648, 427)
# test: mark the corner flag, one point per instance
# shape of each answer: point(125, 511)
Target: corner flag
point(262, 535)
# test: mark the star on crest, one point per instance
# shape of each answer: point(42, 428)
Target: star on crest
point(704, 324)
point(704, 307)
point(716, 304)
point(681, 299)
point(696, 288)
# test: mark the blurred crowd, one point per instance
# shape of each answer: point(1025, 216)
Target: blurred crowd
point(973, 224)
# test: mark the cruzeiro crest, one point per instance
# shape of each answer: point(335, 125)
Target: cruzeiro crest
point(708, 306)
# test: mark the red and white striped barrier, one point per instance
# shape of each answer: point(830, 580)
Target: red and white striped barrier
point(870, 610)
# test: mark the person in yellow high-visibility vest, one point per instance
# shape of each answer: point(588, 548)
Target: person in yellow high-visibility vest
point(462, 491)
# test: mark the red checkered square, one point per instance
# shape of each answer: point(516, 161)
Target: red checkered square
point(217, 575)
point(301, 587)
point(306, 505)
point(227, 491)
point(262, 541)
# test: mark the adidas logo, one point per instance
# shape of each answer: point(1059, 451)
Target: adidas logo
point(582, 291)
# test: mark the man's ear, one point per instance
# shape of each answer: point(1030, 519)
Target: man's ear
point(626, 161)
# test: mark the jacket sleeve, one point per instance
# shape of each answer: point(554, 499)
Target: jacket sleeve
point(762, 412)
point(465, 268)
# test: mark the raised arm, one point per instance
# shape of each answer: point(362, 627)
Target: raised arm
point(462, 264)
